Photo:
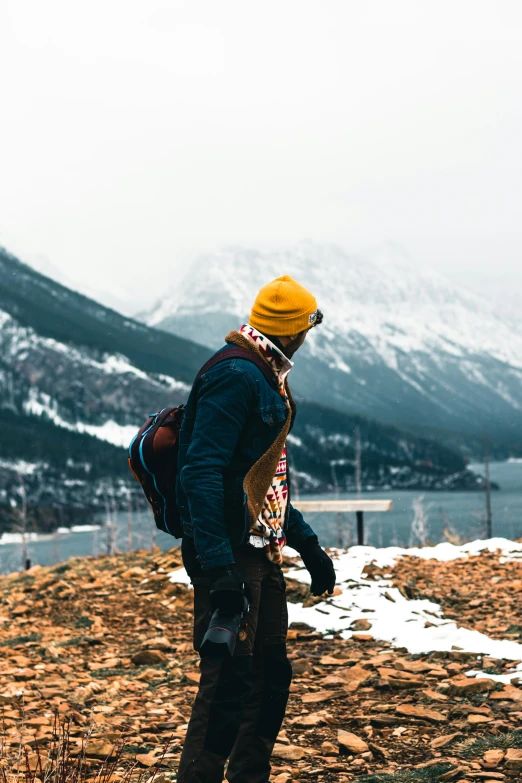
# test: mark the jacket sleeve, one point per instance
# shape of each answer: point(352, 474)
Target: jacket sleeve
point(298, 532)
point(224, 402)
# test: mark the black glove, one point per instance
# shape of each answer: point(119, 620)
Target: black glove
point(320, 567)
point(228, 589)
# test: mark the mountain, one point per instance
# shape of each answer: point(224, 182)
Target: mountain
point(85, 366)
point(77, 379)
point(399, 343)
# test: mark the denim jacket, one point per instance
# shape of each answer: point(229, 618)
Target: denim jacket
point(233, 416)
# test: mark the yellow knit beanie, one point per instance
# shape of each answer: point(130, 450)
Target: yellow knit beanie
point(283, 308)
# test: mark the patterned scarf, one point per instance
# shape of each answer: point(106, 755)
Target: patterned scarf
point(267, 531)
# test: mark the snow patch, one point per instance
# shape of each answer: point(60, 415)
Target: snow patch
point(21, 466)
point(179, 577)
point(394, 618)
point(401, 621)
point(173, 384)
point(294, 440)
point(41, 404)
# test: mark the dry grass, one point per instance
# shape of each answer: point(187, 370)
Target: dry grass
point(63, 761)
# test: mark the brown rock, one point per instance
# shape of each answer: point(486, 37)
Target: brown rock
point(351, 743)
point(444, 741)
point(288, 752)
point(492, 758)
point(415, 667)
point(304, 666)
point(329, 749)
point(148, 658)
point(99, 749)
point(159, 643)
point(403, 684)
point(438, 671)
point(319, 696)
point(452, 774)
point(378, 752)
point(510, 693)
point(514, 759)
point(330, 660)
point(475, 719)
point(355, 674)
point(308, 721)
point(410, 711)
point(148, 759)
point(37, 722)
point(283, 777)
point(462, 685)
point(435, 695)
point(361, 625)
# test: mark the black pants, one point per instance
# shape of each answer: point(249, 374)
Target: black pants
point(241, 703)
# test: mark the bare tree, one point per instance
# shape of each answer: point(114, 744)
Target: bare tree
point(129, 525)
point(139, 538)
point(419, 525)
point(22, 523)
point(489, 513)
point(111, 527)
point(358, 452)
point(448, 531)
point(339, 517)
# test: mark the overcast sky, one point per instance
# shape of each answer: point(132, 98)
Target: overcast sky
point(135, 134)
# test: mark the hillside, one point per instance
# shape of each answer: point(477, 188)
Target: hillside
point(50, 310)
point(389, 457)
point(99, 670)
point(65, 474)
point(398, 344)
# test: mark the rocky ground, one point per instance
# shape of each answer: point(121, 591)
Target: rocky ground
point(98, 669)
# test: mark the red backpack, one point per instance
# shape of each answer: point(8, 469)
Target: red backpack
point(153, 452)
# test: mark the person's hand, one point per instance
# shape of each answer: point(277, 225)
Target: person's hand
point(228, 589)
point(320, 567)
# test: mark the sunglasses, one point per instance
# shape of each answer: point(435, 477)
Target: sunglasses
point(318, 320)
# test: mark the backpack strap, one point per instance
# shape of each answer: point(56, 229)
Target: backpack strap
point(239, 353)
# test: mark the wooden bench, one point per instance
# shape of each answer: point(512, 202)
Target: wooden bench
point(339, 506)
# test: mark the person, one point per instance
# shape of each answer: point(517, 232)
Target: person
point(233, 495)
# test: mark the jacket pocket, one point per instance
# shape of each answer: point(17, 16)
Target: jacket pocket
point(273, 415)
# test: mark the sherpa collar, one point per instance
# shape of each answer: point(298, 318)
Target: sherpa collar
point(280, 364)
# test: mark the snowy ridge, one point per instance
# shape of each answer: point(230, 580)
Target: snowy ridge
point(388, 299)
point(16, 341)
point(41, 404)
point(44, 361)
point(399, 343)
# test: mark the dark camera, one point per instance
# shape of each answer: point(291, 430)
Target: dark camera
point(221, 636)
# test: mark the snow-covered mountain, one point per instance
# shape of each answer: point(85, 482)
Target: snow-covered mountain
point(398, 342)
point(77, 379)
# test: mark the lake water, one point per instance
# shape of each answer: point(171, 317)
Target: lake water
point(463, 513)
